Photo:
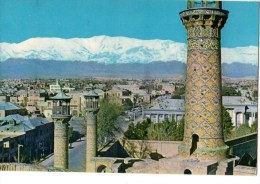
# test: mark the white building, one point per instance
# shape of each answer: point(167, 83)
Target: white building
point(55, 88)
point(241, 109)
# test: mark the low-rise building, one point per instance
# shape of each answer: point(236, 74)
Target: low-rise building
point(131, 88)
point(55, 88)
point(31, 137)
point(8, 108)
point(165, 108)
point(241, 109)
point(168, 88)
point(2, 98)
point(115, 92)
point(142, 97)
point(76, 102)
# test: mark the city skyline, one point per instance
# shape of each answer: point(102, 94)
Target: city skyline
point(131, 112)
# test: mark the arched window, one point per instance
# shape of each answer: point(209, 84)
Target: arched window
point(195, 140)
point(187, 171)
point(101, 169)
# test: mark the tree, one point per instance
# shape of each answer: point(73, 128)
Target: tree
point(138, 131)
point(230, 91)
point(127, 104)
point(226, 122)
point(165, 131)
point(255, 94)
point(179, 91)
point(126, 92)
point(180, 130)
point(106, 119)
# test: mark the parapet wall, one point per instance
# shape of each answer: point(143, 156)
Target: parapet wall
point(165, 148)
point(27, 167)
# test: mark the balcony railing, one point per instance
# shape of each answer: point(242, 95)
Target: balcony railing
point(61, 110)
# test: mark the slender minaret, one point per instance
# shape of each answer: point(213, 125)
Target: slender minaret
point(92, 106)
point(203, 135)
point(61, 117)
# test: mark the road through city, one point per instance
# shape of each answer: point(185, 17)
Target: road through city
point(76, 157)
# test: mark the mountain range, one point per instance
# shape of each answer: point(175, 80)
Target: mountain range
point(111, 50)
point(101, 49)
point(24, 68)
point(111, 56)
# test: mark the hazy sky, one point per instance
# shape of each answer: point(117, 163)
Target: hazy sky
point(142, 19)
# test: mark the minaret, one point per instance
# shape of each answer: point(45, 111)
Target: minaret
point(203, 135)
point(92, 106)
point(61, 117)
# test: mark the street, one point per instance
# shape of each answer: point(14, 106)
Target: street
point(76, 157)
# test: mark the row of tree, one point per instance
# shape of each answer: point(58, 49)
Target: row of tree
point(165, 131)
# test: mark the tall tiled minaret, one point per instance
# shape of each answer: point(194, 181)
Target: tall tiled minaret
point(61, 117)
point(203, 135)
point(92, 106)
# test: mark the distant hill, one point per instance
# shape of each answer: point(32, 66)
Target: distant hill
point(239, 70)
point(22, 68)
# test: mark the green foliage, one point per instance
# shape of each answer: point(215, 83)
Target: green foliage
point(179, 91)
point(180, 130)
point(242, 130)
point(127, 104)
point(176, 96)
point(165, 131)
point(162, 131)
point(138, 131)
point(108, 112)
point(227, 123)
point(229, 91)
point(126, 92)
point(147, 87)
point(254, 126)
point(255, 94)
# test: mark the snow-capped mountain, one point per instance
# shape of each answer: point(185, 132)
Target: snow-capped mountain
point(109, 50)
point(100, 48)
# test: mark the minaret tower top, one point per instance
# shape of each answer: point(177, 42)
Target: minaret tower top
point(204, 4)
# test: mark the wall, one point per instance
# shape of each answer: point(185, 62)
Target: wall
point(165, 148)
point(242, 145)
point(26, 167)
